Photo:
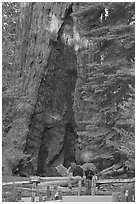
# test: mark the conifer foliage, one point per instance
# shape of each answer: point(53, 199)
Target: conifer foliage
point(108, 78)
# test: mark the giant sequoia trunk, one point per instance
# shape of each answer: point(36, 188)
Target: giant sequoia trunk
point(58, 120)
point(45, 124)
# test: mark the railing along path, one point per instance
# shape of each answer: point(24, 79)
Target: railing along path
point(43, 184)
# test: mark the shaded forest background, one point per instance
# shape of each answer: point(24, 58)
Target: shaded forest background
point(74, 62)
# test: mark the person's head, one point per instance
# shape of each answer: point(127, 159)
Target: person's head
point(92, 172)
point(89, 174)
point(73, 165)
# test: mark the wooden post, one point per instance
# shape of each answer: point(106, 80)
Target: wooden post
point(55, 190)
point(79, 187)
point(48, 193)
point(69, 183)
point(33, 192)
point(133, 195)
point(20, 193)
point(126, 195)
point(130, 195)
point(88, 186)
point(93, 186)
point(123, 198)
point(35, 180)
point(40, 197)
point(60, 195)
point(115, 196)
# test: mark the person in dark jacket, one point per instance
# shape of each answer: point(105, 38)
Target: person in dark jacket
point(76, 170)
point(89, 174)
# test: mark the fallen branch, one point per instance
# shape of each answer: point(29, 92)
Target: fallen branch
point(111, 168)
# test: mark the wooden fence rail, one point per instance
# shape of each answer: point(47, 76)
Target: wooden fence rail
point(46, 182)
point(105, 181)
point(43, 179)
point(15, 183)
